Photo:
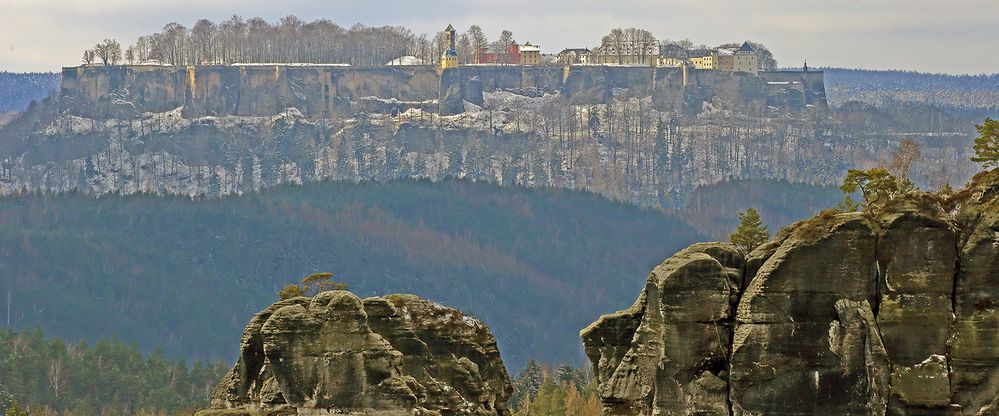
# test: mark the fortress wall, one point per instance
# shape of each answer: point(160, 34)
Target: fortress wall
point(813, 83)
point(323, 91)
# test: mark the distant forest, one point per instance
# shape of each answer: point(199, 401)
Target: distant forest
point(189, 274)
point(971, 95)
point(18, 90)
point(49, 376)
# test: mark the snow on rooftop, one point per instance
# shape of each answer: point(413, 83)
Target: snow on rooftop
point(284, 64)
point(406, 60)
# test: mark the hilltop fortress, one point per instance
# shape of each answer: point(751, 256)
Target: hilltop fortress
point(322, 91)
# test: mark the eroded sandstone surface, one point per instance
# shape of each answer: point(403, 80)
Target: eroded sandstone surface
point(847, 313)
point(392, 355)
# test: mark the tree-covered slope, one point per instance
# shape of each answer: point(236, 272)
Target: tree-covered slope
point(970, 93)
point(18, 90)
point(714, 209)
point(186, 275)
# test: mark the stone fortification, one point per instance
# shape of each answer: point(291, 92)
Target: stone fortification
point(323, 91)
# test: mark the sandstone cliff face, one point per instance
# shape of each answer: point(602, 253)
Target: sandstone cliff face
point(632, 134)
point(842, 314)
point(399, 354)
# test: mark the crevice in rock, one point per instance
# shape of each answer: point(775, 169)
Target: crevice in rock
point(953, 312)
point(741, 291)
point(891, 365)
point(879, 276)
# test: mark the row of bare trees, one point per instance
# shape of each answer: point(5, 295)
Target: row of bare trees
point(108, 51)
point(292, 40)
point(289, 40)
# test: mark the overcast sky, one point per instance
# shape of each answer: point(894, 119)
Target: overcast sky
point(952, 36)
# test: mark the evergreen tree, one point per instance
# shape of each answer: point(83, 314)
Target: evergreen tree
point(527, 384)
point(49, 376)
point(987, 144)
point(751, 232)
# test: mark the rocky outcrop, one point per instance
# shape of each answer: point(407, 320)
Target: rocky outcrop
point(846, 313)
point(674, 356)
point(334, 352)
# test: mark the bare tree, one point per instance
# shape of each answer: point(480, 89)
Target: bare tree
point(56, 376)
point(901, 164)
point(203, 40)
point(478, 41)
point(173, 43)
point(89, 56)
point(501, 47)
point(465, 49)
point(109, 51)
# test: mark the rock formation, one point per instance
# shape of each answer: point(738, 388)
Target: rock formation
point(847, 313)
point(399, 354)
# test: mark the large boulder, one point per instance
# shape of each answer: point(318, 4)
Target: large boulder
point(337, 353)
point(669, 352)
point(805, 327)
point(891, 312)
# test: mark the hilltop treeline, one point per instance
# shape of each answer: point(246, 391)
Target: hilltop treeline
point(288, 40)
point(48, 376)
point(293, 40)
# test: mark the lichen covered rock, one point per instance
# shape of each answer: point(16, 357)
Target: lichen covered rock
point(335, 352)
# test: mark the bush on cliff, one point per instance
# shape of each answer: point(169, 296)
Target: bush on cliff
point(877, 186)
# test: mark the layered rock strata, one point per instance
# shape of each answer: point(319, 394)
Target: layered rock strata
point(334, 352)
point(847, 313)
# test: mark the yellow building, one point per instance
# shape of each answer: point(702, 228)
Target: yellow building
point(704, 60)
point(530, 54)
point(449, 59)
point(669, 62)
point(743, 59)
point(746, 60)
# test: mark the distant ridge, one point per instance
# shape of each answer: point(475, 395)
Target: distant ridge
point(881, 87)
point(18, 90)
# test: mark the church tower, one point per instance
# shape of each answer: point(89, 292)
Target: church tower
point(450, 57)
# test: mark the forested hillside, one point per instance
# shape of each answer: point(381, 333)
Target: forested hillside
point(17, 91)
point(975, 93)
point(186, 275)
point(713, 209)
point(49, 376)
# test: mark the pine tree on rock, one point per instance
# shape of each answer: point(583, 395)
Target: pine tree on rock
point(751, 232)
point(987, 144)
